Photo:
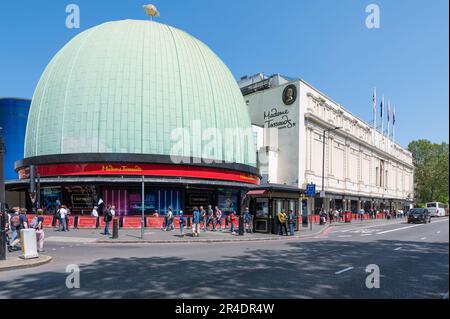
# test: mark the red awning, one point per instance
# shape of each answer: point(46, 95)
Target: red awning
point(256, 192)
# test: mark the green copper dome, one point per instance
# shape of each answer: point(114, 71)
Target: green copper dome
point(125, 86)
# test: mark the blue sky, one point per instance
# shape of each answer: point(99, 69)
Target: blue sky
point(325, 42)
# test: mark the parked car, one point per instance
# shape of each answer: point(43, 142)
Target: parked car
point(419, 215)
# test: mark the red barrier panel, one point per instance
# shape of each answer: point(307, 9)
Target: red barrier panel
point(48, 221)
point(87, 222)
point(132, 222)
point(30, 217)
point(102, 223)
point(155, 222)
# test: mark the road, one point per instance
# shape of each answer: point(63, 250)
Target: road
point(413, 261)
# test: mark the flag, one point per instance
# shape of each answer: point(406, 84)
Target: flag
point(100, 202)
point(393, 117)
point(381, 107)
point(389, 111)
point(374, 101)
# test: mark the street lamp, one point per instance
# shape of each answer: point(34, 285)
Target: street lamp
point(323, 154)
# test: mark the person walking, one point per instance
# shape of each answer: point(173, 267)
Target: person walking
point(203, 217)
point(14, 226)
point(195, 222)
point(182, 223)
point(68, 212)
point(247, 220)
point(232, 219)
point(282, 218)
point(170, 218)
point(40, 235)
point(210, 218)
point(61, 217)
point(218, 218)
point(107, 219)
point(291, 222)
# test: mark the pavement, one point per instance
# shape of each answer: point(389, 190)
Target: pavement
point(157, 236)
point(412, 260)
point(14, 263)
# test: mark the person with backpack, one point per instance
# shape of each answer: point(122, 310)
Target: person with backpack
point(195, 222)
point(203, 217)
point(182, 223)
point(107, 219)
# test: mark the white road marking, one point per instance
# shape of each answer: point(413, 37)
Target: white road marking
point(398, 248)
point(423, 238)
point(402, 228)
point(440, 221)
point(366, 234)
point(343, 270)
point(53, 248)
point(378, 225)
point(438, 232)
point(345, 236)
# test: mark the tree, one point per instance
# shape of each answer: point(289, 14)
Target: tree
point(431, 171)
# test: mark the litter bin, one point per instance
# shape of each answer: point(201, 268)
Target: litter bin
point(348, 217)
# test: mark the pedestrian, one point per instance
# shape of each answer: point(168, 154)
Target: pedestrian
point(62, 218)
point(94, 212)
point(14, 225)
point(218, 218)
point(232, 219)
point(203, 217)
point(282, 219)
point(182, 222)
point(210, 218)
point(107, 219)
point(323, 217)
point(170, 218)
point(247, 221)
point(40, 235)
point(335, 216)
point(291, 222)
point(68, 212)
point(330, 216)
point(361, 214)
point(195, 223)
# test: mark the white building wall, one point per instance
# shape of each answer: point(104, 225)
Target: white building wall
point(353, 154)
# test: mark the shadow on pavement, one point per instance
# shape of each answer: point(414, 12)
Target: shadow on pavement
point(299, 270)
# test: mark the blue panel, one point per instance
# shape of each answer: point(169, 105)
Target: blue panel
point(13, 120)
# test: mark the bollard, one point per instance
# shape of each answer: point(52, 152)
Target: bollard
point(241, 225)
point(54, 221)
point(189, 222)
point(115, 233)
point(75, 222)
point(97, 222)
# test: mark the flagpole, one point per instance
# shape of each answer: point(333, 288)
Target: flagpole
point(393, 127)
point(389, 119)
point(374, 115)
point(382, 116)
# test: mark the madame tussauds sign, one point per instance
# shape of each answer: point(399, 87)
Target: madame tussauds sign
point(278, 119)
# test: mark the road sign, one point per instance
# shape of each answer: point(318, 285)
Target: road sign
point(311, 190)
point(322, 194)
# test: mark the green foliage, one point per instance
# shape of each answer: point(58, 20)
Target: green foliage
point(431, 171)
